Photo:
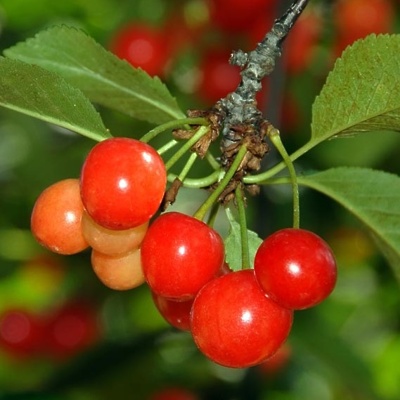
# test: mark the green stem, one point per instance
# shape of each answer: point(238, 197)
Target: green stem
point(264, 176)
point(213, 214)
point(185, 148)
point(212, 161)
point(167, 146)
point(277, 142)
point(197, 183)
point(202, 210)
point(243, 228)
point(187, 167)
point(176, 123)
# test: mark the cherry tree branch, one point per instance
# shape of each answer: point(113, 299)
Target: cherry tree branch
point(240, 106)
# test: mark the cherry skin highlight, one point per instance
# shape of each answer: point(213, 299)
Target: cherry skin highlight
point(296, 268)
point(180, 254)
point(122, 183)
point(56, 218)
point(235, 324)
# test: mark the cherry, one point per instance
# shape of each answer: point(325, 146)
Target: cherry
point(56, 218)
point(142, 46)
point(296, 268)
point(121, 272)
point(235, 324)
point(238, 15)
point(173, 393)
point(176, 313)
point(180, 254)
point(277, 363)
point(218, 78)
point(21, 332)
point(110, 241)
point(122, 183)
point(302, 41)
point(355, 19)
point(71, 328)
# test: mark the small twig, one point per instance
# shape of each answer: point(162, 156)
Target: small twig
point(240, 106)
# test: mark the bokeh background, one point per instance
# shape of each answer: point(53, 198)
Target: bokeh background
point(114, 344)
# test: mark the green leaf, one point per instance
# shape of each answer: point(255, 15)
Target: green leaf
point(42, 94)
point(233, 245)
point(362, 91)
point(102, 77)
point(372, 196)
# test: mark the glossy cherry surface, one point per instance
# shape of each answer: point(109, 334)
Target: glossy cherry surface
point(296, 268)
point(122, 183)
point(180, 254)
point(235, 324)
point(176, 313)
point(56, 218)
point(121, 272)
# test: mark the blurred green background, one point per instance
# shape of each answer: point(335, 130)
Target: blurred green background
point(348, 348)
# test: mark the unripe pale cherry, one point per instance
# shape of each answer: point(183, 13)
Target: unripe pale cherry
point(110, 241)
point(56, 218)
point(121, 272)
point(122, 183)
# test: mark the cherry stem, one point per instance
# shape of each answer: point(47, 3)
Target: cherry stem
point(275, 137)
point(187, 167)
point(213, 214)
point(202, 210)
point(167, 146)
point(244, 239)
point(176, 123)
point(203, 130)
point(197, 183)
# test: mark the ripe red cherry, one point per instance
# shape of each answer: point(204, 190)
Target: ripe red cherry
point(355, 19)
point(301, 45)
point(235, 324)
point(21, 332)
point(56, 218)
point(176, 313)
point(173, 393)
point(71, 328)
point(218, 78)
point(238, 15)
point(180, 254)
point(143, 46)
point(296, 268)
point(122, 183)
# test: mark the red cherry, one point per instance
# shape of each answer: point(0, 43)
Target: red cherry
point(71, 329)
point(355, 19)
point(180, 254)
point(56, 218)
point(235, 324)
point(122, 183)
point(296, 268)
point(176, 313)
point(173, 393)
point(21, 332)
point(218, 78)
point(301, 44)
point(142, 46)
point(238, 15)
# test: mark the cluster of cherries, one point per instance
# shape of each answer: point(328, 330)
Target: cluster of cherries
point(59, 333)
point(237, 318)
